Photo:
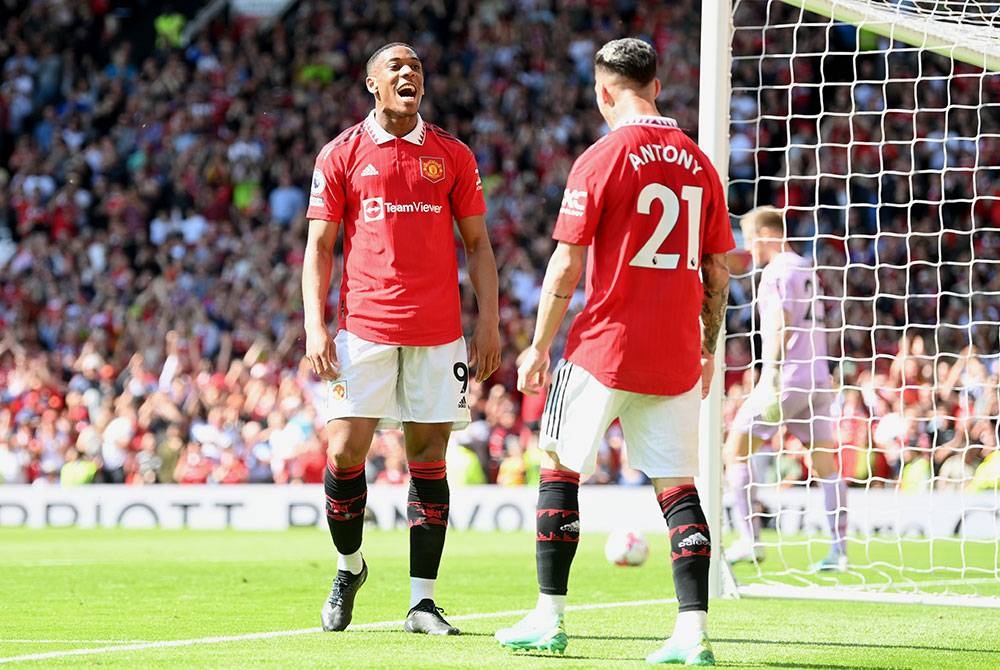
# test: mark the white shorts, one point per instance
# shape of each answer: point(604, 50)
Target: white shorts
point(661, 432)
point(399, 384)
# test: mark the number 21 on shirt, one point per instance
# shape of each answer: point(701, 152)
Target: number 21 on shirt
point(648, 256)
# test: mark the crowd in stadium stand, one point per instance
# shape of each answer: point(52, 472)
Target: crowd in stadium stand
point(152, 230)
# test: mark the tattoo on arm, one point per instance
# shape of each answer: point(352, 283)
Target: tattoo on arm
point(716, 297)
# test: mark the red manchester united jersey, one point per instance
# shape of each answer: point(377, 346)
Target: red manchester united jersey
point(649, 204)
point(398, 199)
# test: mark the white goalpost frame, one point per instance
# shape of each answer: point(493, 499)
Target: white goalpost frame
point(713, 138)
point(920, 30)
point(980, 47)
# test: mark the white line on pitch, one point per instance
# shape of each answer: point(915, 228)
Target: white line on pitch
point(916, 584)
point(221, 639)
point(57, 641)
point(73, 562)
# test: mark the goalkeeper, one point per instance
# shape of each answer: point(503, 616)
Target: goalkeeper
point(794, 388)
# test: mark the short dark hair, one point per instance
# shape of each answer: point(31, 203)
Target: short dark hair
point(629, 57)
point(384, 48)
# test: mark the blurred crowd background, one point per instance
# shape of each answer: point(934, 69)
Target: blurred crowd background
point(152, 230)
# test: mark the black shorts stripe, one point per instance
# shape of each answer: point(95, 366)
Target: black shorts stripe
point(550, 400)
point(561, 405)
point(556, 399)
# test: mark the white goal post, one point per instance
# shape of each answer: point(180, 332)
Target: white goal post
point(875, 125)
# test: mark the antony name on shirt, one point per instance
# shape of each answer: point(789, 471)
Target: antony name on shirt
point(649, 153)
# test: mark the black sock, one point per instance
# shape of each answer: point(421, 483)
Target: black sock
point(690, 546)
point(557, 521)
point(346, 496)
point(427, 513)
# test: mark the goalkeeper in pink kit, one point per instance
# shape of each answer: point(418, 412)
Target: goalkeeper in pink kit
point(794, 389)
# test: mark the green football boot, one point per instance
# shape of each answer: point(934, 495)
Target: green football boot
point(835, 561)
point(670, 653)
point(535, 632)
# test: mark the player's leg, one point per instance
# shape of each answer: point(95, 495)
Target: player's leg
point(428, 418)
point(834, 504)
point(663, 443)
point(578, 411)
point(427, 507)
point(557, 533)
point(355, 402)
point(690, 555)
point(815, 428)
point(747, 433)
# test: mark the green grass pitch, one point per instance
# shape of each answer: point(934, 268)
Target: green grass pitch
point(122, 592)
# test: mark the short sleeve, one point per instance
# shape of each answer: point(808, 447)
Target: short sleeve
point(326, 193)
point(580, 210)
point(717, 234)
point(467, 192)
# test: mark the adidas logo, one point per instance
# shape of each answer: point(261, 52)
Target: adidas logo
point(462, 404)
point(695, 539)
point(369, 171)
point(573, 527)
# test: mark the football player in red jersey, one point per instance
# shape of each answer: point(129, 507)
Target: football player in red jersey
point(644, 210)
point(398, 186)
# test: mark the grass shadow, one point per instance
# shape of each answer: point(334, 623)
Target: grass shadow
point(855, 645)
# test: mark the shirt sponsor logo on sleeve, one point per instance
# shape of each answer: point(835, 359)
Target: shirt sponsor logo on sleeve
point(574, 202)
point(315, 201)
point(432, 169)
point(318, 183)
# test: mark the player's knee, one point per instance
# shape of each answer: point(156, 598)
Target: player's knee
point(737, 447)
point(427, 451)
point(342, 456)
point(345, 452)
point(823, 462)
point(549, 460)
point(426, 442)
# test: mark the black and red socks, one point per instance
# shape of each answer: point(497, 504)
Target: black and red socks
point(557, 522)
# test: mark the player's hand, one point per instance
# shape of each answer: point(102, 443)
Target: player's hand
point(484, 351)
point(321, 352)
point(532, 371)
point(707, 371)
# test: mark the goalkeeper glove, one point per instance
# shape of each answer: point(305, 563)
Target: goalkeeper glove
point(770, 388)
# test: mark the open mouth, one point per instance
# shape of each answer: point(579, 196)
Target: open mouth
point(407, 92)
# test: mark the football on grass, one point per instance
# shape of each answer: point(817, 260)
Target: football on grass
point(626, 547)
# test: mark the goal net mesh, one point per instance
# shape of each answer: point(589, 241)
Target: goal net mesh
point(885, 156)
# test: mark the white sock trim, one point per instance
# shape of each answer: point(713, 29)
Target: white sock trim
point(350, 562)
point(689, 626)
point(420, 589)
point(550, 605)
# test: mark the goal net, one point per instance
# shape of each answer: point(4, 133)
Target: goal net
point(875, 126)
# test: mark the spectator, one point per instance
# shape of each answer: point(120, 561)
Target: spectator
point(192, 466)
point(77, 469)
point(119, 234)
point(230, 470)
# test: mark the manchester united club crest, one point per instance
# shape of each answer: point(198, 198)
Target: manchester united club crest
point(338, 390)
point(432, 169)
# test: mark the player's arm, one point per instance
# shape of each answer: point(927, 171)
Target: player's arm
point(780, 335)
point(484, 351)
point(561, 278)
point(715, 280)
point(317, 267)
point(770, 376)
